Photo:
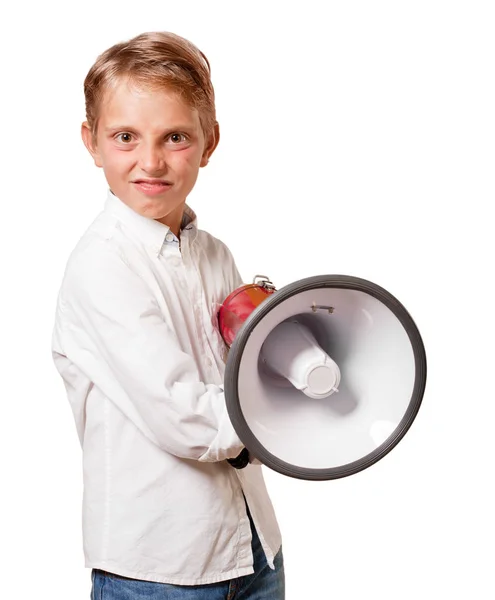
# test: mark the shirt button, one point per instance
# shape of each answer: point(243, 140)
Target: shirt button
point(169, 237)
point(208, 362)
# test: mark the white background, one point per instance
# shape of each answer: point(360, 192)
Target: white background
point(357, 138)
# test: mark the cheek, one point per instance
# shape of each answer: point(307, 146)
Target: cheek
point(187, 161)
point(116, 160)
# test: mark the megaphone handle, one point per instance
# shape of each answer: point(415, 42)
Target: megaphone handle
point(240, 461)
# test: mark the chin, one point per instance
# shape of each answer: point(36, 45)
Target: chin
point(152, 213)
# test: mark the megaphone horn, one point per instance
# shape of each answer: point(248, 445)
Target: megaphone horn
point(324, 376)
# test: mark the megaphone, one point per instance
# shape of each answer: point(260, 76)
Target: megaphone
point(324, 377)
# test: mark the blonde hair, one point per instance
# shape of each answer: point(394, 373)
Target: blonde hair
point(154, 60)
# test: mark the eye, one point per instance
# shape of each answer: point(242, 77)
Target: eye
point(177, 138)
point(124, 137)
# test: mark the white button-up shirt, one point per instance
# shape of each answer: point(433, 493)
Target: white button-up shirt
point(137, 345)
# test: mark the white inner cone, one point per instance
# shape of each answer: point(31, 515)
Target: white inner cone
point(292, 351)
point(375, 358)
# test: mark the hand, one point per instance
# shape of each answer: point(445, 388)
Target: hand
point(241, 460)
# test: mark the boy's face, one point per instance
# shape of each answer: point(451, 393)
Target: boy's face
point(150, 145)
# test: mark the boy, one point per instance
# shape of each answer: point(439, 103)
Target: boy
point(165, 515)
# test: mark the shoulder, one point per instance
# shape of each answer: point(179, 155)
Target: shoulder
point(93, 245)
point(211, 244)
point(99, 259)
point(220, 259)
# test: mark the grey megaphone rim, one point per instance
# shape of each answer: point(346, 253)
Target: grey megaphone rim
point(235, 355)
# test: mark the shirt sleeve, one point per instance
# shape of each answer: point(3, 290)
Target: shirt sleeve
point(112, 328)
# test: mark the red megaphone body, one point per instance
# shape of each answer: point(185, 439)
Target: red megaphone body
point(240, 304)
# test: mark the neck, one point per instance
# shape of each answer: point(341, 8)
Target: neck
point(173, 220)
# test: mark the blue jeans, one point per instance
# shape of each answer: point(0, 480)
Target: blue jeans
point(263, 584)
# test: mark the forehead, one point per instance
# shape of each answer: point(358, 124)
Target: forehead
point(138, 105)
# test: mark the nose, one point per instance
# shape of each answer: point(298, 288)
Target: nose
point(152, 159)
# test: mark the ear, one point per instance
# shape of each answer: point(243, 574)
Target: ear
point(211, 144)
point(90, 143)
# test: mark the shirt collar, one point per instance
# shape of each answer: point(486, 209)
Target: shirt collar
point(151, 232)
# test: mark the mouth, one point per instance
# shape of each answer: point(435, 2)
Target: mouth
point(152, 181)
point(152, 186)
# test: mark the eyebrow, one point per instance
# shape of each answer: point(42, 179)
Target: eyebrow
point(167, 131)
